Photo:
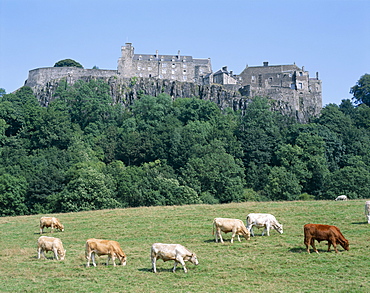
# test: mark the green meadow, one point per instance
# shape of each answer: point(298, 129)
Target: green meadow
point(278, 263)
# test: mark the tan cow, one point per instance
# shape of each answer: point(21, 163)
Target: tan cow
point(227, 225)
point(367, 211)
point(50, 222)
point(104, 247)
point(175, 252)
point(45, 244)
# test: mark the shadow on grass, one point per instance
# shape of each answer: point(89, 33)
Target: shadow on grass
point(298, 250)
point(360, 223)
point(159, 270)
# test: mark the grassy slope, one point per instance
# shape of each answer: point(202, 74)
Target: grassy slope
point(277, 263)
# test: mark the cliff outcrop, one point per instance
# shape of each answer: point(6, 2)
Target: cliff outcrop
point(127, 90)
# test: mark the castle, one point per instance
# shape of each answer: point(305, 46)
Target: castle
point(288, 85)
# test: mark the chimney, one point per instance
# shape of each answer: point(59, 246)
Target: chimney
point(224, 68)
point(156, 53)
point(317, 75)
point(178, 54)
point(265, 64)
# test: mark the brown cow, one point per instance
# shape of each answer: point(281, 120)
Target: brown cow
point(50, 222)
point(320, 233)
point(104, 247)
point(227, 225)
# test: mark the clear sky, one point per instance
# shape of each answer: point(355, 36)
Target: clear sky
point(331, 37)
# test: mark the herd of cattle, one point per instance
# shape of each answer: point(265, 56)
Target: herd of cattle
point(178, 253)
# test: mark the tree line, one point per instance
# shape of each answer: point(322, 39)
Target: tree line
point(84, 152)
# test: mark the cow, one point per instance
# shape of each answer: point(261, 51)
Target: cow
point(104, 247)
point(342, 197)
point(266, 221)
point(320, 233)
point(227, 225)
point(367, 211)
point(50, 222)
point(45, 244)
point(175, 252)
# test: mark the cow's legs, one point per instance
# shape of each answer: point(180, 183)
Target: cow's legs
point(251, 231)
point(239, 238)
point(313, 245)
point(55, 250)
point(93, 259)
point(88, 257)
point(180, 260)
point(41, 230)
point(39, 252)
point(154, 259)
point(219, 235)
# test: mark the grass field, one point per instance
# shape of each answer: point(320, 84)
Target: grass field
point(278, 263)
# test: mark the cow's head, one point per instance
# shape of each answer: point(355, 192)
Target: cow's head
point(193, 259)
point(60, 227)
point(123, 259)
point(345, 244)
point(279, 228)
point(62, 253)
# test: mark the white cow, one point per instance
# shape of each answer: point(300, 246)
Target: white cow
point(55, 245)
point(175, 252)
point(367, 211)
point(227, 225)
point(266, 221)
point(342, 197)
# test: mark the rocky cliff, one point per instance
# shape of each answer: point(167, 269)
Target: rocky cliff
point(126, 90)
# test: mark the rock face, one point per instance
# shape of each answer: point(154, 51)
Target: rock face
point(44, 82)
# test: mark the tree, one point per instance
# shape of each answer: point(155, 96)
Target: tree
point(361, 91)
point(12, 195)
point(68, 63)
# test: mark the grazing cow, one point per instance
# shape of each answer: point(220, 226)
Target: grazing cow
point(55, 245)
point(175, 252)
point(266, 221)
point(50, 222)
point(104, 247)
point(367, 211)
point(342, 197)
point(320, 233)
point(227, 225)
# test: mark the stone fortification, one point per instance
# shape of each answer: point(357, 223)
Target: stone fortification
point(290, 88)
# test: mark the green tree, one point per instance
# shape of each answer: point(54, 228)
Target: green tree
point(12, 195)
point(361, 91)
point(68, 63)
point(87, 189)
point(282, 185)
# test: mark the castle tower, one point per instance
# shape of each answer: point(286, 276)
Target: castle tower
point(125, 61)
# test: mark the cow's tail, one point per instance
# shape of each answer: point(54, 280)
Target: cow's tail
point(213, 227)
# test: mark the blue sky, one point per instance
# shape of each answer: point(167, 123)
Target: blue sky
point(331, 37)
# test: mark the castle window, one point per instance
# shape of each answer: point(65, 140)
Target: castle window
point(253, 78)
point(164, 64)
point(270, 79)
point(184, 72)
point(173, 71)
point(300, 85)
point(290, 75)
point(184, 77)
point(172, 77)
point(292, 86)
point(149, 68)
point(164, 71)
point(278, 75)
point(173, 65)
point(140, 57)
point(184, 65)
point(300, 74)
